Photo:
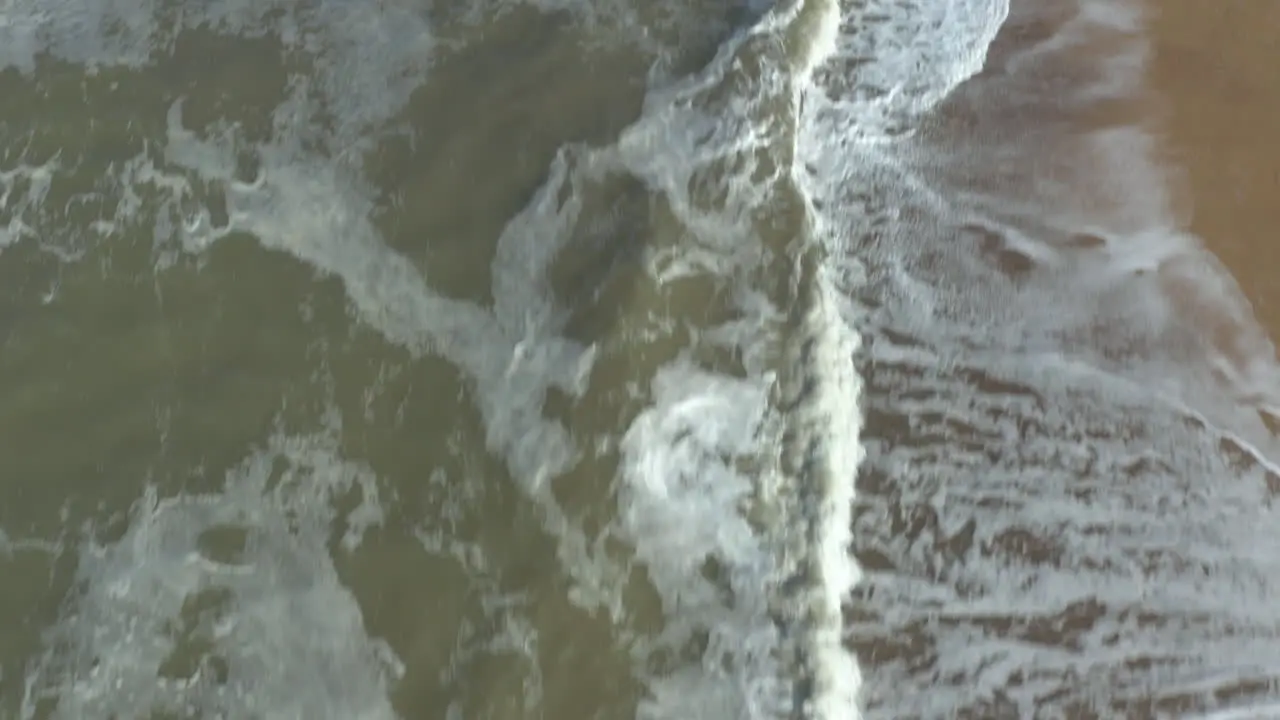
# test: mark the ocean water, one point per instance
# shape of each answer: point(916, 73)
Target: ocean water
point(605, 359)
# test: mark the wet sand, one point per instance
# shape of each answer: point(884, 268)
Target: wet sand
point(1214, 66)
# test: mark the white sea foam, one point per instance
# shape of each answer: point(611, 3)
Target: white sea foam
point(681, 505)
point(23, 188)
point(227, 603)
point(825, 437)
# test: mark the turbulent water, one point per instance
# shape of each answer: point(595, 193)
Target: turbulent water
point(688, 359)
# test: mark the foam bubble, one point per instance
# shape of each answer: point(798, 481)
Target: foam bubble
point(23, 189)
point(225, 603)
point(681, 505)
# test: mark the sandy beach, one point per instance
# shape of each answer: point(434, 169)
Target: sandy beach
point(1213, 65)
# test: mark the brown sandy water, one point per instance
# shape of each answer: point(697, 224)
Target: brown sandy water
point(1213, 68)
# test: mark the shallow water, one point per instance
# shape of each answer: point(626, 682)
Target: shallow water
point(688, 359)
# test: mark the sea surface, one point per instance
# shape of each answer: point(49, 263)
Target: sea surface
point(618, 359)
